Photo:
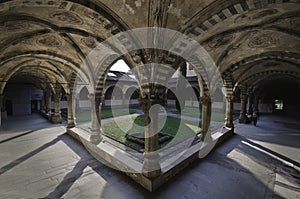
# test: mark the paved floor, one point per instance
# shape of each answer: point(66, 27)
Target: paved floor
point(38, 160)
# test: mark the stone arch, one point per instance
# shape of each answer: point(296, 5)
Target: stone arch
point(219, 10)
point(170, 94)
point(83, 94)
point(131, 93)
point(113, 93)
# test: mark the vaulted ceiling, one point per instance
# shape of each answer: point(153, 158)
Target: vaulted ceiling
point(249, 40)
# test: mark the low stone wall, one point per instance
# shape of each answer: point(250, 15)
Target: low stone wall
point(131, 164)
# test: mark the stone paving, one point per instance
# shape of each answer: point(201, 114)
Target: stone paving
point(38, 160)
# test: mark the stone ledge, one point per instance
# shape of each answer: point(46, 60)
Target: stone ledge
point(131, 164)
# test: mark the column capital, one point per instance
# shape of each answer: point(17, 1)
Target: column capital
point(205, 99)
point(91, 96)
point(151, 99)
point(229, 97)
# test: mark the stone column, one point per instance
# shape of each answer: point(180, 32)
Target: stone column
point(151, 166)
point(206, 117)
point(77, 103)
point(1, 106)
point(250, 105)
point(95, 137)
point(43, 106)
point(243, 118)
point(98, 104)
point(229, 111)
point(48, 101)
point(57, 96)
point(71, 120)
point(256, 103)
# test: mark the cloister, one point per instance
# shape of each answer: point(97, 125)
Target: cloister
point(195, 61)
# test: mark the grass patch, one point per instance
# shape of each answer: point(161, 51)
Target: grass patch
point(107, 113)
point(194, 112)
point(85, 116)
point(119, 127)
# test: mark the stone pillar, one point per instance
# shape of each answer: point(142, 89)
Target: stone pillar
point(71, 120)
point(206, 117)
point(243, 118)
point(151, 166)
point(77, 103)
point(1, 106)
point(57, 96)
point(43, 106)
point(250, 105)
point(48, 101)
point(229, 111)
point(95, 137)
point(98, 104)
point(256, 103)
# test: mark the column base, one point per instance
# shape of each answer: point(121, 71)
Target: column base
point(243, 119)
point(228, 125)
point(71, 125)
point(95, 139)
point(206, 137)
point(151, 166)
point(56, 119)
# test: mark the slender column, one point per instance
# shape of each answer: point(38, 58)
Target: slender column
point(71, 120)
point(250, 105)
point(1, 106)
point(151, 166)
point(243, 118)
point(77, 104)
point(206, 117)
point(229, 111)
point(95, 128)
point(98, 104)
point(43, 106)
point(48, 101)
point(256, 103)
point(57, 96)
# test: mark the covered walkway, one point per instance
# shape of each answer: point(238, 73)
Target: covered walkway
point(38, 160)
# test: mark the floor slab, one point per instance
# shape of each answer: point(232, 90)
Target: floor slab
point(257, 162)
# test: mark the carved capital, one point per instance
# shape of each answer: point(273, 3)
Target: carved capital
point(229, 98)
point(205, 99)
point(151, 99)
point(91, 96)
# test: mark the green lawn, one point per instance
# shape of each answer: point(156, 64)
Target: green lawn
point(193, 112)
point(85, 116)
point(119, 127)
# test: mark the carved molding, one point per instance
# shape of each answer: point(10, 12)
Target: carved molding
point(50, 41)
point(89, 42)
point(221, 41)
point(264, 13)
point(95, 17)
point(15, 25)
point(67, 17)
point(266, 39)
